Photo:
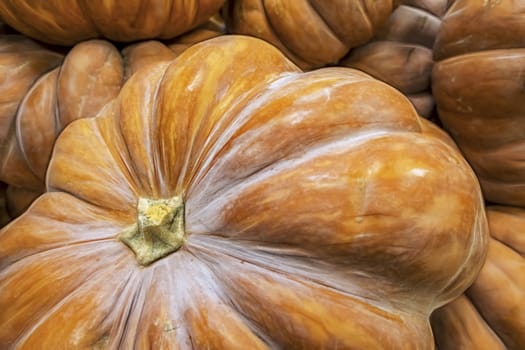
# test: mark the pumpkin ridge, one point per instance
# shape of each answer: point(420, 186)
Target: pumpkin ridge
point(131, 303)
point(20, 139)
point(73, 297)
point(308, 270)
point(291, 160)
point(75, 288)
point(44, 253)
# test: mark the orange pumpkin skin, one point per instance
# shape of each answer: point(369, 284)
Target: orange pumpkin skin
point(478, 84)
point(401, 52)
point(91, 75)
point(490, 316)
point(319, 211)
point(311, 33)
point(67, 22)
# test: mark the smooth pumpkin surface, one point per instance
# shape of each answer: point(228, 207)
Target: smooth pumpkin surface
point(491, 315)
point(67, 22)
point(401, 52)
point(90, 76)
point(311, 33)
point(478, 84)
point(243, 205)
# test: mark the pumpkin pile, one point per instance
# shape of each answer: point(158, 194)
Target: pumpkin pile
point(261, 174)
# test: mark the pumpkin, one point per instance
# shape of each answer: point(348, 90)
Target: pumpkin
point(22, 61)
point(401, 52)
point(67, 22)
point(228, 200)
point(91, 75)
point(478, 84)
point(490, 316)
point(311, 33)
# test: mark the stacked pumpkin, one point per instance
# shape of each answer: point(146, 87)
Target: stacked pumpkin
point(478, 84)
point(212, 194)
point(401, 52)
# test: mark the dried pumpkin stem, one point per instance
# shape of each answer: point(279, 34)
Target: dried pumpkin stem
point(159, 230)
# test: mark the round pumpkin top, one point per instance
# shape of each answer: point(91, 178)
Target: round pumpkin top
point(229, 200)
point(66, 22)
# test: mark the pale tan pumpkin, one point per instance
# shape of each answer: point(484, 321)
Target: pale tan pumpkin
point(67, 22)
point(491, 315)
point(243, 205)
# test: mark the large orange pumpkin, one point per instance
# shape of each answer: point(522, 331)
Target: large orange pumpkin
point(478, 84)
point(91, 75)
point(491, 315)
point(311, 33)
point(228, 200)
point(66, 22)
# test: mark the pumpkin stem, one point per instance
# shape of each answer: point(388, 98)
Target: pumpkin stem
point(159, 230)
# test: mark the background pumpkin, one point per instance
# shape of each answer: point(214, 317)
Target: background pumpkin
point(490, 316)
point(66, 22)
point(292, 214)
point(310, 33)
point(22, 61)
point(401, 52)
point(478, 83)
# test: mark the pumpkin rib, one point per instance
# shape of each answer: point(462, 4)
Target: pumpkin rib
point(326, 23)
point(103, 225)
point(234, 288)
point(215, 145)
point(130, 306)
point(14, 264)
point(291, 161)
point(59, 278)
point(151, 134)
point(93, 76)
point(58, 248)
point(70, 298)
point(20, 136)
point(222, 296)
point(322, 33)
point(269, 261)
